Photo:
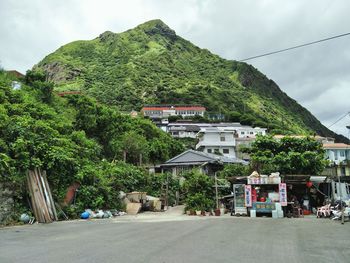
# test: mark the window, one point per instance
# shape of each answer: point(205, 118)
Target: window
point(342, 154)
point(209, 150)
point(242, 132)
point(251, 132)
point(222, 138)
point(216, 151)
point(226, 151)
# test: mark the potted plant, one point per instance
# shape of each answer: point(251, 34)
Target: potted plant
point(199, 203)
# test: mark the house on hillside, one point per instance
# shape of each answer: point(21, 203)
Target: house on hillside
point(242, 131)
point(183, 130)
point(227, 138)
point(206, 163)
point(164, 111)
point(15, 74)
point(338, 154)
point(217, 141)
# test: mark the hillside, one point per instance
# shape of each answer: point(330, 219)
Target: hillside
point(150, 64)
point(75, 139)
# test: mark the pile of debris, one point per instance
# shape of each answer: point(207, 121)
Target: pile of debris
point(89, 214)
point(137, 201)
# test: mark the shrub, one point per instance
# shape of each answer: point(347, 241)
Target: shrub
point(198, 191)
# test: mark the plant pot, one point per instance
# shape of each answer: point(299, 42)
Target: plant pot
point(217, 212)
point(192, 213)
point(198, 212)
point(203, 213)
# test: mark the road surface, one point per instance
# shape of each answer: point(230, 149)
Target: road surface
point(178, 239)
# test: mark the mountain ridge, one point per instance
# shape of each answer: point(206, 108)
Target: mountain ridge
point(151, 64)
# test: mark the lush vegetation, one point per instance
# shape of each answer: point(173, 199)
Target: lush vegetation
point(198, 190)
point(75, 139)
point(151, 64)
point(288, 155)
point(232, 170)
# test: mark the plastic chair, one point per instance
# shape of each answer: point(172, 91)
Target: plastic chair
point(324, 211)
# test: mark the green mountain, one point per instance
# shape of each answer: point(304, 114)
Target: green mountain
point(150, 64)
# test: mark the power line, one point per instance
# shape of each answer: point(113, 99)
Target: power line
point(342, 117)
point(298, 46)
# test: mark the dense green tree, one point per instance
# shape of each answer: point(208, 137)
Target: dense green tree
point(37, 80)
point(198, 190)
point(158, 151)
point(289, 155)
point(75, 139)
point(232, 170)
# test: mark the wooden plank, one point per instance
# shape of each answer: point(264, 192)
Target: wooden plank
point(35, 190)
point(41, 198)
point(41, 218)
point(48, 213)
point(32, 198)
point(50, 196)
point(46, 195)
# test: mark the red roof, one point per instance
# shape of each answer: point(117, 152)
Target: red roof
point(199, 108)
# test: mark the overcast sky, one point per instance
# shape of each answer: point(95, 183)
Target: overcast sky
point(318, 76)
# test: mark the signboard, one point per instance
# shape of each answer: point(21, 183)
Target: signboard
point(263, 207)
point(248, 195)
point(283, 194)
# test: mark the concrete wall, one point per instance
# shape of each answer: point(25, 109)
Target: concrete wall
point(6, 203)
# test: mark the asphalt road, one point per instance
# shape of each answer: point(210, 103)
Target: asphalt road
point(206, 239)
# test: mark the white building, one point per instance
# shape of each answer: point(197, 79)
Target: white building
point(337, 152)
point(181, 130)
point(241, 131)
point(226, 138)
point(164, 111)
point(249, 132)
point(214, 140)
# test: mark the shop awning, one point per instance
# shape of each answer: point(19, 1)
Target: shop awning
point(296, 178)
point(318, 179)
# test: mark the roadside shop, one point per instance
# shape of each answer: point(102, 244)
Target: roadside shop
point(278, 196)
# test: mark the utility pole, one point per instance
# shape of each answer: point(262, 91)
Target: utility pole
point(340, 195)
point(340, 189)
point(167, 191)
point(216, 192)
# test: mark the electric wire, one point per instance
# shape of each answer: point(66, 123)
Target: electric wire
point(342, 117)
point(294, 47)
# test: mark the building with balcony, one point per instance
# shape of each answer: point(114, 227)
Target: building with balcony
point(338, 154)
